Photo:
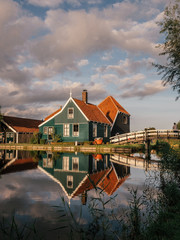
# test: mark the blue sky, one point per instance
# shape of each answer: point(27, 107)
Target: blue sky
point(48, 47)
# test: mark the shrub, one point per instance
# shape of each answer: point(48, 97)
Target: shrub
point(42, 141)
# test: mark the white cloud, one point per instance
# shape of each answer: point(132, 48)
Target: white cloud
point(46, 3)
point(83, 62)
point(127, 66)
point(142, 91)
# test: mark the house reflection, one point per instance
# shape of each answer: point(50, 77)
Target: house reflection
point(78, 173)
point(16, 161)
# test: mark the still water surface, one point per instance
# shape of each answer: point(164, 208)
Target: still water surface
point(33, 183)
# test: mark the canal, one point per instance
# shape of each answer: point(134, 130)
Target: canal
point(50, 193)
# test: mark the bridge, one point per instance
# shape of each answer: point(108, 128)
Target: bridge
point(142, 136)
point(145, 137)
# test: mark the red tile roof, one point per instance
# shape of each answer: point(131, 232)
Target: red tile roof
point(52, 114)
point(91, 181)
point(92, 112)
point(109, 106)
point(111, 182)
point(22, 124)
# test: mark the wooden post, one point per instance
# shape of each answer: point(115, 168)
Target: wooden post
point(147, 146)
point(147, 149)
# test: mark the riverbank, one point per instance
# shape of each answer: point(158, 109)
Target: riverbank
point(67, 147)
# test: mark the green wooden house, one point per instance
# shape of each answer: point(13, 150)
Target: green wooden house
point(77, 121)
point(78, 173)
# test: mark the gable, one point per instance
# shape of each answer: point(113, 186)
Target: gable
point(110, 107)
point(62, 117)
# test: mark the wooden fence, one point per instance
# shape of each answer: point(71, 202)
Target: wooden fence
point(142, 136)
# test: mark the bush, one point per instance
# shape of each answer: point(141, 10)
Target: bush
point(42, 141)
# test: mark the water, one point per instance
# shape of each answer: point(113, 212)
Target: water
point(33, 186)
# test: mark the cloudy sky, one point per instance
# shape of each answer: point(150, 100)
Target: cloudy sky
point(48, 47)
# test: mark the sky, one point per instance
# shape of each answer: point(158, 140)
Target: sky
point(51, 47)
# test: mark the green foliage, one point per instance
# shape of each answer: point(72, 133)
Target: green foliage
point(57, 138)
point(12, 230)
point(42, 141)
point(170, 27)
point(178, 125)
point(35, 138)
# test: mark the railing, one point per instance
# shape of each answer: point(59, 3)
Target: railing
point(145, 135)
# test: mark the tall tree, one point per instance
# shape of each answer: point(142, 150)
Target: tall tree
point(170, 27)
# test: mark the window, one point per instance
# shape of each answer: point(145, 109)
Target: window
point(75, 164)
point(45, 130)
point(94, 130)
point(125, 119)
point(66, 130)
point(75, 130)
point(105, 131)
point(66, 163)
point(70, 181)
point(70, 113)
point(50, 133)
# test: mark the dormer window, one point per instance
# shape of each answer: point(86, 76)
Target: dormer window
point(70, 113)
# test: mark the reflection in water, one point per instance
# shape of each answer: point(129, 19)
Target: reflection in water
point(79, 173)
point(31, 194)
point(15, 161)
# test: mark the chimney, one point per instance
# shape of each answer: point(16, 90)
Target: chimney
point(85, 96)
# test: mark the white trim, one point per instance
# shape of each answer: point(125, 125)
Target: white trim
point(75, 158)
point(9, 126)
point(68, 115)
point(115, 171)
point(66, 128)
point(71, 177)
point(114, 120)
point(80, 110)
point(55, 180)
point(81, 183)
point(17, 137)
point(73, 129)
point(50, 118)
point(94, 125)
point(105, 117)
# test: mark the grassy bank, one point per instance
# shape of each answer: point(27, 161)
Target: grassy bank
point(70, 147)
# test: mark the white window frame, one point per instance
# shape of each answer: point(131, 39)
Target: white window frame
point(75, 160)
point(50, 132)
point(94, 129)
point(65, 164)
point(75, 134)
point(70, 115)
point(66, 130)
point(45, 130)
point(105, 130)
point(69, 178)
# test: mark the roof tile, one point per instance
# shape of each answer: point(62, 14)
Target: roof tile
point(92, 112)
point(109, 106)
point(22, 124)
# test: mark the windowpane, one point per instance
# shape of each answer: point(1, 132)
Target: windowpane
point(66, 130)
point(70, 113)
point(105, 130)
point(125, 119)
point(70, 181)
point(45, 130)
point(75, 164)
point(76, 130)
point(94, 130)
point(66, 163)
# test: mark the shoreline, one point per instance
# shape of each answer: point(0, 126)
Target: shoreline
point(67, 148)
